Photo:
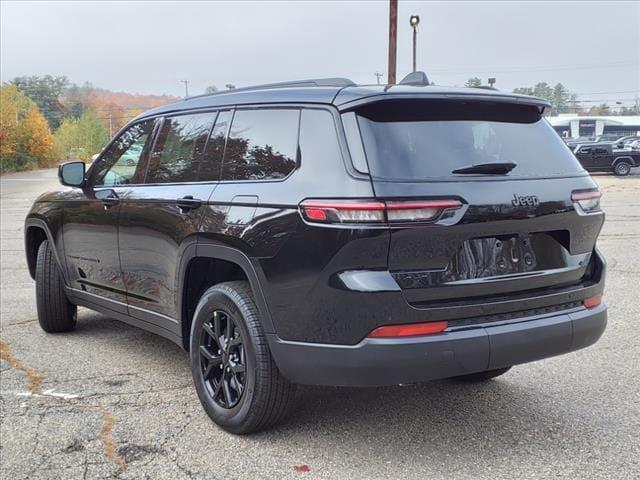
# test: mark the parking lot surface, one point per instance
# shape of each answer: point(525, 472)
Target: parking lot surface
point(112, 401)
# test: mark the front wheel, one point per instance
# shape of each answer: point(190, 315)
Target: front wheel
point(622, 168)
point(483, 376)
point(237, 381)
point(55, 312)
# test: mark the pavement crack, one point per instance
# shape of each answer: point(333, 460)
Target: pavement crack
point(20, 322)
point(106, 437)
point(34, 378)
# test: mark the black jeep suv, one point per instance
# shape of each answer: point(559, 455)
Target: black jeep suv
point(326, 233)
point(605, 157)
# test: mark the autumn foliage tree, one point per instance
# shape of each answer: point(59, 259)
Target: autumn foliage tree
point(25, 139)
point(81, 138)
point(83, 117)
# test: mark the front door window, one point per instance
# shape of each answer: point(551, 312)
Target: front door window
point(121, 164)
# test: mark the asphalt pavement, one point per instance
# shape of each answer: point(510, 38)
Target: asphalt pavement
point(111, 401)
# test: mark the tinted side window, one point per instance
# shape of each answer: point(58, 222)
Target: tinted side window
point(212, 162)
point(585, 150)
point(179, 149)
point(121, 164)
point(318, 139)
point(601, 151)
point(262, 145)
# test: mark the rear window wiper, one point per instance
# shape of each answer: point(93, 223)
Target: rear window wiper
point(488, 168)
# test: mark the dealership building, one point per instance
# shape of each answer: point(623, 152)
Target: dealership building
point(573, 126)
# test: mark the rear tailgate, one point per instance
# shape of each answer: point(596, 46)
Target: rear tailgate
point(493, 247)
point(515, 231)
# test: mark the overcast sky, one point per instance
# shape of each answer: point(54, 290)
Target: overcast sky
point(149, 47)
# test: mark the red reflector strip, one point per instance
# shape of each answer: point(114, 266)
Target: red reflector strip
point(316, 213)
point(592, 302)
point(408, 330)
point(577, 196)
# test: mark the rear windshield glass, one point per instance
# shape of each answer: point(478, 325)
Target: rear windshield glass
point(429, 139)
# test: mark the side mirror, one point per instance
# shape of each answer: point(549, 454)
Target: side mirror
point(72, 174)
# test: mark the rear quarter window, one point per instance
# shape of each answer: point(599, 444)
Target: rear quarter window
point(262, 145)
point(420, 140)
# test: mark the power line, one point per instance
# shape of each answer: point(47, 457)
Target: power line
point(607, 93)
point(525, 69)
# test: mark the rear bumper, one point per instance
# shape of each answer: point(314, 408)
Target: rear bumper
point(378, 362)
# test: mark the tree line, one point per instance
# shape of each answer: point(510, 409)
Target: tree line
point(562, 100)
point(46, 119)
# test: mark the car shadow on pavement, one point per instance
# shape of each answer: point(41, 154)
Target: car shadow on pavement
point(501, 413)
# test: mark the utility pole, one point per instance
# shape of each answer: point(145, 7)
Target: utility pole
point(393, 40)
point(186, 88)
point(378, 76)
point(110, 125)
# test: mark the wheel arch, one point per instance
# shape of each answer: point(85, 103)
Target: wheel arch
point(35, 232)
point(623, 158)
point(233, 265)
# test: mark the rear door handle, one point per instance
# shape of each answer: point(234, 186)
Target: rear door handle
point(188, 203)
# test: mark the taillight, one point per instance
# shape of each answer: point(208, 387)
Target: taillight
point(588, 201)
point(375, 212)
point(419, 211)
point(409, 330)
point(342, 211)
point(592, 302)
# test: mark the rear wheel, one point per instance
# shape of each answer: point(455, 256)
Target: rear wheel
point(238, 383)
point(483, 376)
point(622, 168)
point(55, 312)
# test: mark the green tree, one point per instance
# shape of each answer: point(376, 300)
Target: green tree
point(211, 89)
point(560, 98)
point(473, 82)
point(81, 138)
point(602, 109)
point(632, 110)
point(46, 92)
point(543, 90)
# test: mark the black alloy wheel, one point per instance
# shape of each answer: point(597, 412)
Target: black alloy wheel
point(223, 359)
point(235, 376)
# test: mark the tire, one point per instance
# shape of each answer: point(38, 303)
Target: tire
point(622, 168)
point(55, 312)
point(483, 376)
point(256, 396)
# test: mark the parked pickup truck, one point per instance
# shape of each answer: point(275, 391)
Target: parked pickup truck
point(603, 157)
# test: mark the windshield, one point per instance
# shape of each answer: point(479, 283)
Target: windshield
point(429, 139)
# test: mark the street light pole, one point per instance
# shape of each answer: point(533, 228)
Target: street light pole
point(414, 20)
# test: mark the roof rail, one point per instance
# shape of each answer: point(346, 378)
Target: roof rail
point(485, 87)
point(314, 82)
